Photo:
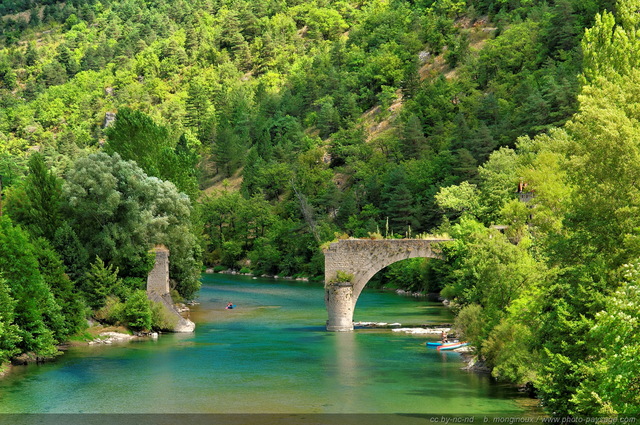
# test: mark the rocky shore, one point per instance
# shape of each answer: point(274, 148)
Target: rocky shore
point(275, 276)
point(118, 337)
point(473, 364)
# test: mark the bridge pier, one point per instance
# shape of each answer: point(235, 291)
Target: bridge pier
point(361, 259)
point(158, 291)
point(339, 301)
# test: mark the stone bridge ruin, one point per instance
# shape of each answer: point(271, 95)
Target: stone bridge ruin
point(158, 290)
point(358, 260)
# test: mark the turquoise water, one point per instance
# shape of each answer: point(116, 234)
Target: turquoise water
point(269, 355)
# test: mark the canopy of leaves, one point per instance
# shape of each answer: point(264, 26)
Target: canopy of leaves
point(119, 213)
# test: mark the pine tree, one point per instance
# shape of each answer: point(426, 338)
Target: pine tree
point(36, 202)
point(36, 312)
point(9, 331)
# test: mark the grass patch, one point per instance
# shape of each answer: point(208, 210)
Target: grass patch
point(83, 336)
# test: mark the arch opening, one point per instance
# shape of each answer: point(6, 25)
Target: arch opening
point(406, 278)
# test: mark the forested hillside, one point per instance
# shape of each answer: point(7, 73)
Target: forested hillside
point(246, 134)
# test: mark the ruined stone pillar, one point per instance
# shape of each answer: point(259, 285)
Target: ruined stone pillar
point(158, 279)
point(339, 301)
point(158, 291)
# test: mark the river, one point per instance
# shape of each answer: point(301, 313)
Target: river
point(271, 354)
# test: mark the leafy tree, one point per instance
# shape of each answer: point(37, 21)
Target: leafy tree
point(137, 312)
point(226, 151)
point(489, 279)
point(611, 384)
point(9, 331)
point(37, 315)
point(119, 212)
point(66, 59)
point(53, 74)
point(399, 204)
point(135, 136)
point(609, 48)
point(462, 198)
point(412, 141)
point(31, 55)
point(8, 77)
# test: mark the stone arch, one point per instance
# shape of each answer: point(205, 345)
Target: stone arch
point(361, 259)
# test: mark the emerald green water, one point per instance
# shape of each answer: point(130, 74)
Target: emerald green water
point(269, 355)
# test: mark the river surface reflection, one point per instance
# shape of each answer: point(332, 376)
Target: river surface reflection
point(271, 354)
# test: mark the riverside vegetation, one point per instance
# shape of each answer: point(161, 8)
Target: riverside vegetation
point(249, 133)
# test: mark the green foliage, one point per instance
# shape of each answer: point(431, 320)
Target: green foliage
point(461, 198)
point(610, 45)
point(36, 314)
point(342, 276)
point(73, 254)
point(509, 352)
point(137, 312)
point(494, 284)
point(412, 274)
point(9, 331)
point(63, 289)
point(132, 212)
point(161, 318)
point(35, 203)
point(135, 136)
point(100, 281)
point(111, 311)
point(611, 383)
point(233, 224)
point(469, 323)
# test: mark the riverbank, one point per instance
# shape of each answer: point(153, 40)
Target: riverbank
point(255, 276)
point(94, 335)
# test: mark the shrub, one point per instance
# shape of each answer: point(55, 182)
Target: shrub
point(469, 323)
point(342, 276)
point(176, 297)
point(137, 311)
point(161, 318)
point(111, 312)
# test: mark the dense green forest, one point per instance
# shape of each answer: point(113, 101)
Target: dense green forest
point(246, 134)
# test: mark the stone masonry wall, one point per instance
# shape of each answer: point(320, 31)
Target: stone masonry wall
point(158, 279)
point(359, 256)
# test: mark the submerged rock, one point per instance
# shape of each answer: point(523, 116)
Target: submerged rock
point(28, 358)
point(422, 330)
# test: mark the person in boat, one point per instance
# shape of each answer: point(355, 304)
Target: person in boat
point(230, 306)
point(444, 337)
